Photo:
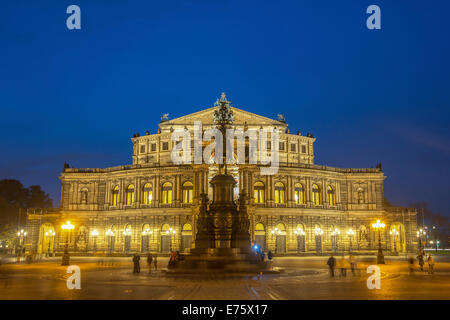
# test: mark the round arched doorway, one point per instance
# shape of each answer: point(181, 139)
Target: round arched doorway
point(260, 235)
point(280, 238)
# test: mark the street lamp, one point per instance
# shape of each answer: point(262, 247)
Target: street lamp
point(350, 234)
point(394, 233)
point(335, 234)
point(378, 226)
point(299, 232)
point(66, 257)
point(126, 233)
point(276, 231)
point(50, 234)
point(171, 232)
point(94, 234)
point(318, 233)
point(145, 235)
point(21, 234)
point(110, 234)
point(421, 233)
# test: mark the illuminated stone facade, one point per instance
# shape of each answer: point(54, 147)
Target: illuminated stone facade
point(152, 204)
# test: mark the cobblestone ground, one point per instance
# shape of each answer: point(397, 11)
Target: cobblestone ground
point(303, 278)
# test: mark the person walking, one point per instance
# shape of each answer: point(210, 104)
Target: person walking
point(269, 255)
point(136, 266)
point(149, 262)
point(331, 264)
point(430, 264)
point(342, 264)
point(155, 262)
point(352, 261)
point(421, 262)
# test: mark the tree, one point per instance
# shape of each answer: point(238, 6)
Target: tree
point(432, 219)
point(37, 198)
point(14, 200)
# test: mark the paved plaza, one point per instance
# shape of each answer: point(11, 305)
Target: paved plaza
point(303, 278)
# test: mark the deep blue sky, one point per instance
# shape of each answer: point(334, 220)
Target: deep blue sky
point(368, 96)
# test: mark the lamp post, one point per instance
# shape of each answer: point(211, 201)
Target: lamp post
point(394, 233)
point(110, 234)
point(378, 226)
point(318, 232)
point(171, 232)
point(21, 234)
point(335, 233)
point(350, 234)
point(66, 257)
point(49, 234)
point(126, 233)
point(300, 233)
point(421, 233)
point(145, 234)
point(94, 234)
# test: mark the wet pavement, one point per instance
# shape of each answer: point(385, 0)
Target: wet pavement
point(303, 278)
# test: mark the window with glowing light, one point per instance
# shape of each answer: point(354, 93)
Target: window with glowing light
point(188, 192)
point(299, 193)
point(147, 193)
point(279, 192)
point(316, 198)
point(167, 193)
point(115, 196)
point(258, 190)
point(129, 195)
point(331, 196)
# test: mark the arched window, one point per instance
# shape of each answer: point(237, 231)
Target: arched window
point(84, 195)
point(115, 196)
point(259, 229)
point(279, 192)
point(188, 192)
point(316, 199)
point(299, 193)
point(258, 189)
point(129, 197)
point(147, 193)
point(331, 196)
point(166, 193)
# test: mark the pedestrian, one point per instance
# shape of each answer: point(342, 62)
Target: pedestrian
point(352, 261)
point(342, 264)
point(263, 255)
point(430, 264)
point(411, 265)
point(136, 266)
point(269, 255)
point(331, 264)
point(421, 262)
point(172, 258)
point(155, 263)
point(149, 262)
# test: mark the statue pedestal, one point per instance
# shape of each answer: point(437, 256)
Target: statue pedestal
point(221, 261)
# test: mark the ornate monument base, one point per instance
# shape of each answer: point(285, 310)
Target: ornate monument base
point(221, 261)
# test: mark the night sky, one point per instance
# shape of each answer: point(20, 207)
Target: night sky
point(366, 95)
